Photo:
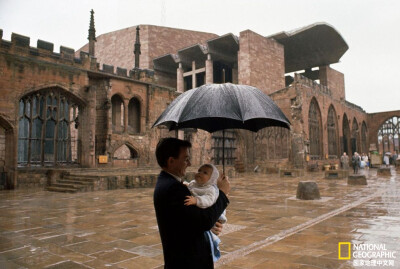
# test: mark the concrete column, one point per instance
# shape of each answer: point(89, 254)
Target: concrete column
point(235, 74)
point(209, 70)
point(194, 82)
point(179, 79)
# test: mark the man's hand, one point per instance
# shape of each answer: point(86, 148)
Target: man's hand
point(217, 229)
point(224, 184)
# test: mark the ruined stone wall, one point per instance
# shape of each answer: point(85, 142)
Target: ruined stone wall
point(116, 48)
point(307, 90)
point(25, 70)
point(334, 80)
point(261, 62)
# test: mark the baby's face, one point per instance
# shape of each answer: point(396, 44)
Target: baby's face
point(203, 175)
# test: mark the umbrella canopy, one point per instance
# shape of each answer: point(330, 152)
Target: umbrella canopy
point(214, 107)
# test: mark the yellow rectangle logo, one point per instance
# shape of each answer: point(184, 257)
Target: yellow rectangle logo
point(342, 257)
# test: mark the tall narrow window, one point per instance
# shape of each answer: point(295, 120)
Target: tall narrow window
point(117, 113)
point(44, 135)
point(364, 146)
point(315, 130)
point(134, 116)
point(355, 143)
point(346, 135)
point(332, 133)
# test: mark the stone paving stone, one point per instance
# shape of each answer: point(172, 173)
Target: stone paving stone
point(39, 260)
point(67, 265)
point(84, 228)
point(114, 256)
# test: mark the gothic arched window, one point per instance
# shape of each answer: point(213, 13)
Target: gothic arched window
point(388, 135)
point(332, 132)
point(117, 113)
point(48, 128)
point(134, 116)
point(315, 130)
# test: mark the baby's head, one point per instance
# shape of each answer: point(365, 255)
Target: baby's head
point(207, 174)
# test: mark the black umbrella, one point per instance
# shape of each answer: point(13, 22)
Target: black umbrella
point(214, 107)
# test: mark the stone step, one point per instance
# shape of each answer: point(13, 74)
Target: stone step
point(67, 185)
point(74, 182)
point(61, 189)
point(81, 178)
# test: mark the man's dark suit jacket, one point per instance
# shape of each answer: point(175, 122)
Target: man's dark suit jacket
point(182, 228)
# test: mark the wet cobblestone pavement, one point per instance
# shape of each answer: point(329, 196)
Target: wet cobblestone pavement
point(267, 226)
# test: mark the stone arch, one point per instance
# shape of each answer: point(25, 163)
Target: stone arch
point(42, 87)
point(129, 143)
point(134, 115)
point(48, 120)
point(7, 153)
point(315, 130)
point(346, 134)
point(124, 152)
point(355, 133)
point(117, 113)
point(364, 138)
point(333, 134)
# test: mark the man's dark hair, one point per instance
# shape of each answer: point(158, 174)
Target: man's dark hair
point(169, 147)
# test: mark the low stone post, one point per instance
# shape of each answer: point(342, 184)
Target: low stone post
point(308, 190)
point(384, 171)
point(356, 180)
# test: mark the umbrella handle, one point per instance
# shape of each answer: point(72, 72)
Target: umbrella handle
point(223, 151)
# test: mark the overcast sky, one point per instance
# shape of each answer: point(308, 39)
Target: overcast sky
point(371, 29)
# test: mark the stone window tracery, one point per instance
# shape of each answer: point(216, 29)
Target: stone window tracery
point(48, 129)
point(388, 135)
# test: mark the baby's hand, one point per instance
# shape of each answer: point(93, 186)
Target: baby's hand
point(190, 200)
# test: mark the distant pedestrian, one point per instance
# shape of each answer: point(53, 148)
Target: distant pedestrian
point(366, 160)
point(355, 161)
point(344, 161)
point(386, 160)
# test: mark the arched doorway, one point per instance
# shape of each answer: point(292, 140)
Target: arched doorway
point(315, 130)
point(7, 155)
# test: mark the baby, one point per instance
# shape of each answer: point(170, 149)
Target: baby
point(205, 192)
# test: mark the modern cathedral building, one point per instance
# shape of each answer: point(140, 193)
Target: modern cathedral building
point(67, 111)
